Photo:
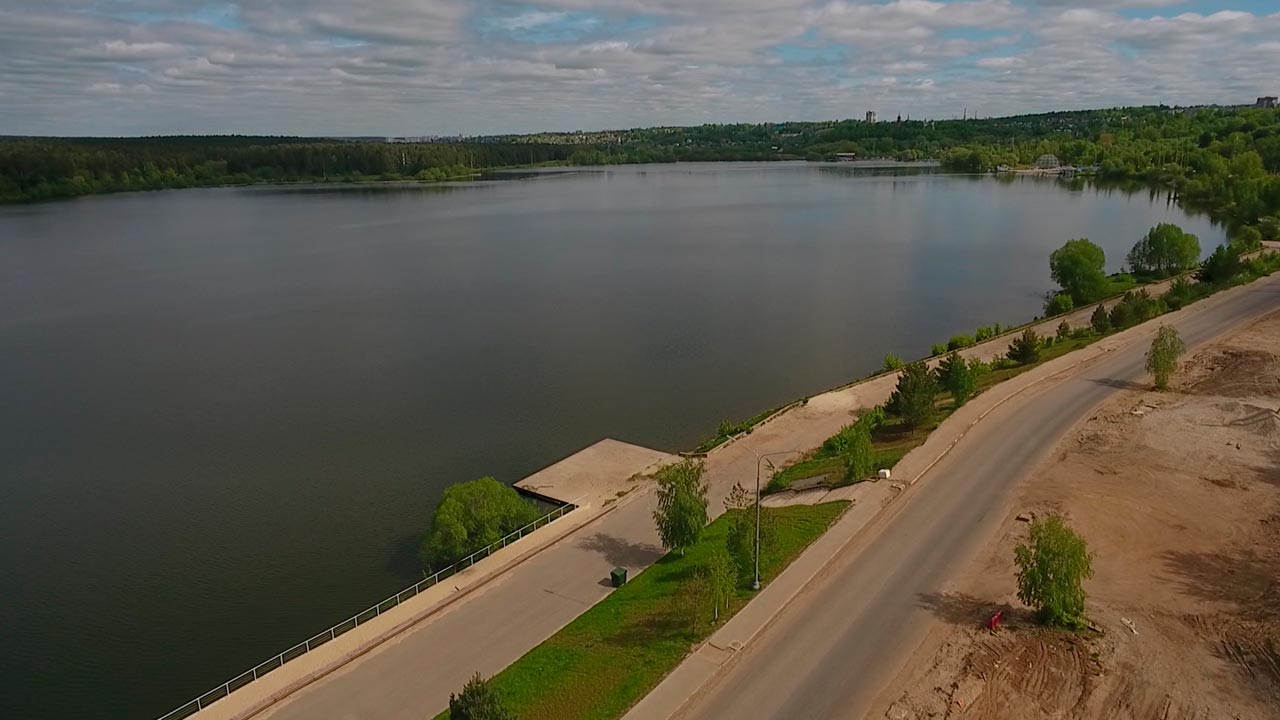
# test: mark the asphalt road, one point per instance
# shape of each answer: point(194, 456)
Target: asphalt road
point(833, 650)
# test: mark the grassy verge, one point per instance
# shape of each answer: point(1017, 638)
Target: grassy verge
point(603, 662)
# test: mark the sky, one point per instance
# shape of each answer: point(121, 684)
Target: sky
point(445, 67)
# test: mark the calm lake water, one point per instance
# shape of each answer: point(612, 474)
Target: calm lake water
point(227, 413)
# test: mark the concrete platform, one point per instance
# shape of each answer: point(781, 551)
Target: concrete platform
point(598, 475)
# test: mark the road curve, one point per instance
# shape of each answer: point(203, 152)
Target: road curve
point(835, 648)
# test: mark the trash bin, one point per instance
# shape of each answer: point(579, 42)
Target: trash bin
point(619, 576)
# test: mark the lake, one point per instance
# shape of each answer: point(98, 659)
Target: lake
point(228, 412)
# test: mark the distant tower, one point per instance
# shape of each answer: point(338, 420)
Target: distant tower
point(899, 118)
point(871, 116)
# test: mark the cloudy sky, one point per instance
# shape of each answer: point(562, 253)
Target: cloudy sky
point(413, 67)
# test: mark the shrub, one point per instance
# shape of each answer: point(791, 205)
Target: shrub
point(859, 458)
point(1269, 227)
point(1025, 348)
point(891, 362)
point(913, 399)
point(470, 516)
point(1052, 567)
point(983, 333)
point(1162, 357)
point(1058, 304)
point(938, 349)
point(1245, 238)
point(741, 540)
point(478, 701)
point(1100, 320)
point(1182, 293)
point(1064, 330)
point(959, 342)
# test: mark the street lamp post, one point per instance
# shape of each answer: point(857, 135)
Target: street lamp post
point(755, 582)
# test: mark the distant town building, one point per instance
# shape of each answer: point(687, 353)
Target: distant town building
point(846, 157)
point(1048, 162)
point(1266, 102)
point(871, 116)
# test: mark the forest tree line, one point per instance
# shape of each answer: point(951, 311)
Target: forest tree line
point(1224, 159)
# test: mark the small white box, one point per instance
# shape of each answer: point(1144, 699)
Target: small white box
point(885, 474)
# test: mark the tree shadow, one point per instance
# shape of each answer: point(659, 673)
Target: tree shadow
point(403, 560)
point(1246, 579)
point(1120, 384)
point(650, 628)
point(622, 553)
point(969, 611)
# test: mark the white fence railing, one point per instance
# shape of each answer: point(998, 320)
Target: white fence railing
point(302, 648)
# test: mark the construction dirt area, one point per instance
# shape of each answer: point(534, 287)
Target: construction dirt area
point(1178, 495)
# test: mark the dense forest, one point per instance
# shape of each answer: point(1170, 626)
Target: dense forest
point(1224, 159)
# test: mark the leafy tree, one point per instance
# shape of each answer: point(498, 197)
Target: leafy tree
point(938, 349)
point(741, 540)
point(957, 375)
point(913, 399)
point(1064, 330)
point(737, 498)
point(1246, 238)
point(1100, 320)
point(696, 597)
point(1269, 227)
point(1181, 293)
point(1078, 268)
point(1052, 567)
point(478, 701)
point(1164, 250)
point(1162, 357)
point(1057, 304)
point(1025, 349)
point(470, 516)
point(859, 457)
point(722, 580)
point(959, 342)
point(891, 362)
point(682, 504)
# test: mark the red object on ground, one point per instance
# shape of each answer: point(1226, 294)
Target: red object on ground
point(994, 623)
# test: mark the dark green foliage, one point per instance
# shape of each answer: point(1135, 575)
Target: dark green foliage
point(891, 362)
point(1057, 304)
point(1182, 293)
point(938, 349)
point(1100, 320)
point(959, 342)
point(1025, 349)
point(1220, 267)
point(1064, 330)
point(913, 400)
point(1137, 306)
point(1165, 249)
point(1246, 238)
point(478, 701)
point(1269, 227)
point(983, 333)
point(959, 377)
point(1052, 567)
point(740, 542)
point(1078, 268)
point(470, 516)
point(682, 504)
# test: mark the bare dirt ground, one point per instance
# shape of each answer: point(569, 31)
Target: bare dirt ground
point(1178, 494)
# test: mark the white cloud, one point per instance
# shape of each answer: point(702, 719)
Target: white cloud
point(426, 66)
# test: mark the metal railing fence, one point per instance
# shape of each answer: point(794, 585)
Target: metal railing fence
point(199, 703)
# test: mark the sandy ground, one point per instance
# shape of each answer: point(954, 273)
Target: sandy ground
point(1178, 494)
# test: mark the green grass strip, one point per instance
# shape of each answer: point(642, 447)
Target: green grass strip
point(603, 662)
